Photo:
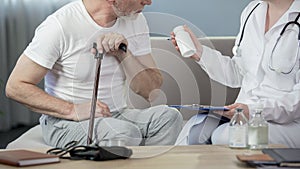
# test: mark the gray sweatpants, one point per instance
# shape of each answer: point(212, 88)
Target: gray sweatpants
point(158, 125)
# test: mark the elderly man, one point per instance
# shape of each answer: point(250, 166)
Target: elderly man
point(60, 52)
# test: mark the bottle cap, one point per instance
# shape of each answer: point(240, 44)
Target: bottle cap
point(239, 109)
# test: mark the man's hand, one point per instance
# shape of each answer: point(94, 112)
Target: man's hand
point(82, 111)
point(141, 72)
point(110, 43)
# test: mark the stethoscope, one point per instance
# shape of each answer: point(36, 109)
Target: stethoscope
point(237, 51)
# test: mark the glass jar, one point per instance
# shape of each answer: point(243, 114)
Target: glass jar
point(258, 131)
point(238, 130)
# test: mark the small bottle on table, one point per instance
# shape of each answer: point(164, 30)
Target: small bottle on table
point(238, 130)
point(258, 130)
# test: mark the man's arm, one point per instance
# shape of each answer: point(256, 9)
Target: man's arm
point(22, 87)
point(142, 74)
point(141, 71)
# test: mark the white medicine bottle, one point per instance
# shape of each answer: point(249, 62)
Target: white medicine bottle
point(184, 42)
point(258, 130)
point(238, 130)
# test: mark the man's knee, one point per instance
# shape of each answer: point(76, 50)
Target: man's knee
point(172, 121)
point(172, 115)
point(165, 126)
point(110, 128)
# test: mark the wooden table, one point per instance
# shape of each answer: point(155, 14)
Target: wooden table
point(162, 157)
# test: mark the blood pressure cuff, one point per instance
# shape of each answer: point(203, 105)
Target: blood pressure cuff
point(102, 153)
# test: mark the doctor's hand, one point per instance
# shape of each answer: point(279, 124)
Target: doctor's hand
point(82, 111)
point(197, 44)
point(109, 43)
point(229, 114)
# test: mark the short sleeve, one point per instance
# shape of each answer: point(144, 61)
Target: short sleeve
point(47, 44)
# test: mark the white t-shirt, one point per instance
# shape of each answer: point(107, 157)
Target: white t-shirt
point(62, 44)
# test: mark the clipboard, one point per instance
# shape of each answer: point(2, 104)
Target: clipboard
point(285, 157)
point(200, 107)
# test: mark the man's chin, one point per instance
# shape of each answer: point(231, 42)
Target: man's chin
point(131, 17)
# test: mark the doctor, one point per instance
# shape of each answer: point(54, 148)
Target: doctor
point(266, 68)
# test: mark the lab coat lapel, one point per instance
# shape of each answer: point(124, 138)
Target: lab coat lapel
point(259, 19)
point(255, 42)
point(256, 32)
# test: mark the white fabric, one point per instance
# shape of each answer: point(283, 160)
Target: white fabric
point(62, 44)
point(279, 93)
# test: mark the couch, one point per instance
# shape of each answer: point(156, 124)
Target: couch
point(184, 83)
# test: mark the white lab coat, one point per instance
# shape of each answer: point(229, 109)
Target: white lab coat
point(279, 93)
